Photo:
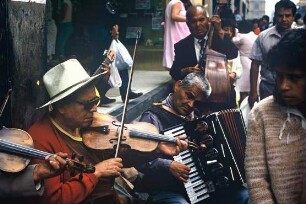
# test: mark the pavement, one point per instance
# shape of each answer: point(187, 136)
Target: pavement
point(155, 85)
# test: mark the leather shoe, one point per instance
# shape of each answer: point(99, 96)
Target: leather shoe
point(105, 100)
point(132, 95)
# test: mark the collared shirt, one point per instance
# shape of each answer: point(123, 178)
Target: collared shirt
point(265, 41)
point(296, 112)
point(198, 46)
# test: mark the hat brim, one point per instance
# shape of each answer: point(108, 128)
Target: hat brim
point(71, 90)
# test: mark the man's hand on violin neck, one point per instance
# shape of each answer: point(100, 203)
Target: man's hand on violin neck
point(109, 168)
point(173, 149)
point(53, 166)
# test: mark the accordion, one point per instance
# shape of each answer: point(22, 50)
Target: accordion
point(218, 162)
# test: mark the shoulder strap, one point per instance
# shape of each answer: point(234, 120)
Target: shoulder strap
point(170, 110)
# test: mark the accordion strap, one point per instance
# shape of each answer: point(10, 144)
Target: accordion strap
point(167, 108)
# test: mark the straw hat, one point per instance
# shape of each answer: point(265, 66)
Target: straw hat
point(64, 79)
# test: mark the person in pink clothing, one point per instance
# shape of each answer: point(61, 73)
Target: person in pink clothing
point(244, 40)
point(175, 28)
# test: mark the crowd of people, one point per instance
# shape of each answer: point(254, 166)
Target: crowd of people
point(69, 34)
point(275, 154)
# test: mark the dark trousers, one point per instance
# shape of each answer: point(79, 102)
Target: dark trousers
point(124, 74)
point(103, 85)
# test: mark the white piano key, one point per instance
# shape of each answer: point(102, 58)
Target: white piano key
point(199, 198)
point(195, 173)
point(190, 184)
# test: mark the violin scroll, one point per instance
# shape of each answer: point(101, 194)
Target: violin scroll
point(79, 166)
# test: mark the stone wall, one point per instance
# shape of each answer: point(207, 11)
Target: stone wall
point(26, 26)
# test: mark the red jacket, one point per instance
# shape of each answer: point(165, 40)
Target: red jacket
point(63, 188)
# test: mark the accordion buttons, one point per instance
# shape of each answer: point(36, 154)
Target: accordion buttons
point(207, 140)
point(211, 154)
point(217, 169)
point(222, 182)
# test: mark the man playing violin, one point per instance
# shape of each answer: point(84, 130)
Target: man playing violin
point(28, 182)
point(177, 109)
point(71, 107)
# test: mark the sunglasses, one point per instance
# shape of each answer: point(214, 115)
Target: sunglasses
point(89, 104)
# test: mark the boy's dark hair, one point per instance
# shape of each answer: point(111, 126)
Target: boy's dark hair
point(285, 4)
point(290, 51)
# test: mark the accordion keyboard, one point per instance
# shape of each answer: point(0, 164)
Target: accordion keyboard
point(197, 189)
point(217, 163)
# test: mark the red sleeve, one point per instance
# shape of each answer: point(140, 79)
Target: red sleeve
point(62, 188)
point(72, 190)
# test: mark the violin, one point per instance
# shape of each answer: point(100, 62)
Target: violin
point(104, 131)
point(109, 58)
point(16, 149)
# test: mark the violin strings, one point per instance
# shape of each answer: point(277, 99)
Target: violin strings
point(146, 135)
point(160, 137)
point(16, 148)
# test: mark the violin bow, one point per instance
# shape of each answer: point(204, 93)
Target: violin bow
point(8, 94)
point(127, 97)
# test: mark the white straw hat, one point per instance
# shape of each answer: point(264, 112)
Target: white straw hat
point(64, 79)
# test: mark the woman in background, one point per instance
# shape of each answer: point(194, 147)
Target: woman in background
point(244, 41)
point(175, 28)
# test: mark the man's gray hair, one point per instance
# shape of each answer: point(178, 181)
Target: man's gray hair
point(198, 79)
point(192, 9)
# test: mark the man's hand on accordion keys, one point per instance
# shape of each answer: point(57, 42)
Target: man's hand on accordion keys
point(180, 171)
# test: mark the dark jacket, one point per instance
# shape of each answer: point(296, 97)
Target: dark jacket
point(185, 55)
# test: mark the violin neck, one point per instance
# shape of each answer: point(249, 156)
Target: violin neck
point(151, 136)
point(9, 147)
point(105, 62)
point(25, 151)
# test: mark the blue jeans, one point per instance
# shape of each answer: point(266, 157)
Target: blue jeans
point(235, 195)
point(168, 198)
